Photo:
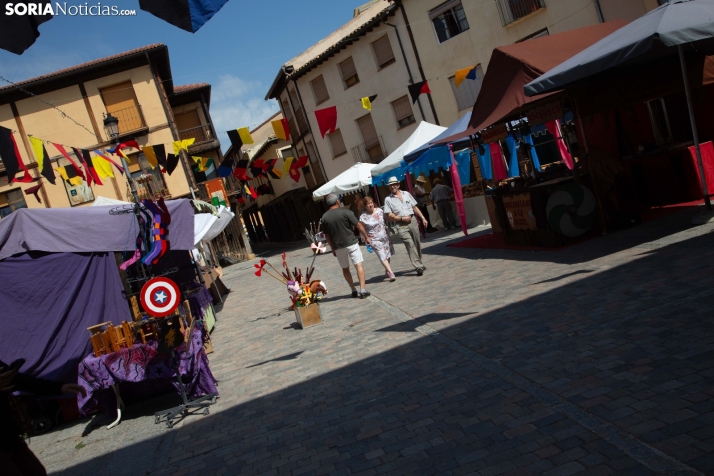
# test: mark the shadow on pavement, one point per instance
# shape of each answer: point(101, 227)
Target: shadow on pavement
point(412, 325)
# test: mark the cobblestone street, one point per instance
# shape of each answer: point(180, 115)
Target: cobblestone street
point(594, 359)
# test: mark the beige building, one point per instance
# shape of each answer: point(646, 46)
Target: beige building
point(137, 88)
point(389, 45)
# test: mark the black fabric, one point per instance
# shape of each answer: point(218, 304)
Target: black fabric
point(160, 153)
point(415, 90)
point(236, 141)
point(47, 171)
point(339, 223)
point(7, 152)
point(71, 171)
point(175, 12)
point(18, 33)
point(8, 428)
point(171, 163)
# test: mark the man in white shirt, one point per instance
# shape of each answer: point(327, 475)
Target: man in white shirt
point(401, 207)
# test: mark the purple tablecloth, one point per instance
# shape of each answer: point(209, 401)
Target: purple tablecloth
point(142, 362)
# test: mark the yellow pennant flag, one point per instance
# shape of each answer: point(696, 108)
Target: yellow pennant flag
point(180, 145)
point(279, 129)
point(103, 167)
point(286, 165)
point(76, 181)
point(245, 136)
point(150, 156)
point(63, 173)
point(366, 104)
point(38, 148)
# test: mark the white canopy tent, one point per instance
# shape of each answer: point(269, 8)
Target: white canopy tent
point(424, 133)
point(349, 181)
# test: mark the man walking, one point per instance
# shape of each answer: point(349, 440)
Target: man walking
point(441, 198)
point(339, 225)
point(401, 207)
point(423, 199)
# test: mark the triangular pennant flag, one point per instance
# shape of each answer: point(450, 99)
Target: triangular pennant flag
point(241, 169)
point(286, 165)
point(465, 73)
point(63, 173)
point(225, 168)
point(281, 128)
point(295, 174)
point(34, 190)
point(73, 176)
point(245, 136)
point(184, 144)
point(300, 162)
point(417, 89)
point(130, 143)
point(252, 193)
point(327, 120)
point(90, 166)
point(61, 150)
point(204, 163)
point(367, 102)
point(241, 200)
point(160, 153)
point(43, 159)
point(11, 158)
point(256, 168)
point(236, 141)
point(171, 163)
point(104, 156)
point(273, 171)
point(103, 167)
point(150, 156)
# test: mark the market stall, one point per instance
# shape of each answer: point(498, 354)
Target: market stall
point(352, 180)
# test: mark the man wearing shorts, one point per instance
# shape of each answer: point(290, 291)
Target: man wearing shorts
point(339, 225)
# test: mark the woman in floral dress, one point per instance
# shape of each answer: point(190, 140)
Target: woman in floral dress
point(373, 221)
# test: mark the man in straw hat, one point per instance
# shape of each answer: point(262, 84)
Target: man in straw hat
point(401, 207)
point(339, 225)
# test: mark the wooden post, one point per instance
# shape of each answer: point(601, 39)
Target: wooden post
point(28, 149)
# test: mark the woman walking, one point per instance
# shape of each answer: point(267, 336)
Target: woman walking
point(373, 221)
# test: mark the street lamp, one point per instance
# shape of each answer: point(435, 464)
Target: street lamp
point(111, 127)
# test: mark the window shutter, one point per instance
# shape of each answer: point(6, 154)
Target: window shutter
point(320, 89)
point(348, 69)
point(337, 143)
point(402, 108)
point(366, 127)
point(383, 51)
point(467, 92)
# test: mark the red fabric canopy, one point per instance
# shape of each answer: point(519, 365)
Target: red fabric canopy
point(513, 66)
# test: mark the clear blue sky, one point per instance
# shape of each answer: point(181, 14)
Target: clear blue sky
point(239, 51)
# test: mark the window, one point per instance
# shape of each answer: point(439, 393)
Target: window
point(319, 89)
point(286, 152)
point(403, 112)
point(149, 182)
point(660, 121)
point(468, 90)
point(11, 201)
point(383, 52)
point(512, 10)
point(299, 114)
point(121, 103)
point(449, 20)
point(337, 144)
point(349, 73)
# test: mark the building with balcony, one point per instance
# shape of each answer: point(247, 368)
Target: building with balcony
point(137, 88)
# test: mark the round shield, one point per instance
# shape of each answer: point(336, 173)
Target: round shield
point(160, 297)
point(571, 210)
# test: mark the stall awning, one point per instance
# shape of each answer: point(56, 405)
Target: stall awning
point(351, 180)
point(423, 134)
point(460, 125)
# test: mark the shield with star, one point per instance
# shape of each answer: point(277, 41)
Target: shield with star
point(160, 297)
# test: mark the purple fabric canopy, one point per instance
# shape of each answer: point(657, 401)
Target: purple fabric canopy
point(86, 229)
point(48, 300)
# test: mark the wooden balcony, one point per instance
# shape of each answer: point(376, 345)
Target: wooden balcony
point(130, 119)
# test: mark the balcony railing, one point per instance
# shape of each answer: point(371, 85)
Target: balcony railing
point(512, 10)
point(149, 186)
point(370, 152)
point(130, 119)
point(202, 134)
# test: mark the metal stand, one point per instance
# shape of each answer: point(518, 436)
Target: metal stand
point(182, 410)
point(120, 405)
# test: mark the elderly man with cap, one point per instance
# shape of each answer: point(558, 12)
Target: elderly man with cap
point(339, 225)
point(423, 199)
point(401, 208)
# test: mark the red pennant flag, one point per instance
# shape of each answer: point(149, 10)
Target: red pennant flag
point(34, 190)
point(416, 89)
point(295, 174)
point(253, 193)
point(327, 120)
point(74, 164)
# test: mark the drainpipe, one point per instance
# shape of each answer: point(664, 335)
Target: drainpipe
point(409, 71)
point(599, 11)
point(309, 127)
point(416, 54)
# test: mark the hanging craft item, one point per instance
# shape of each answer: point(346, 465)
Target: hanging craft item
point(571, 210)
point(11, 158)
point(281, 129)
point(43, 159)
point(417, 89)
point(326, 120)
point(160, 296)
point(367, 102)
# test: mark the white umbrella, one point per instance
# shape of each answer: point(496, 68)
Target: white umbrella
point(424, 133)
point(351, 180)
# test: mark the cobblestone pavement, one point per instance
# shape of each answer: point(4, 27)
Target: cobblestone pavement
point(595, 359)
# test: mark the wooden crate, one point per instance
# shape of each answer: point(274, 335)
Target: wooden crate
point(308, 316)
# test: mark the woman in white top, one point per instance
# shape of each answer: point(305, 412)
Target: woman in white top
point(373, 221)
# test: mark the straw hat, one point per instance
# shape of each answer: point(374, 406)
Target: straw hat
point(392, 180)
point(421, 179)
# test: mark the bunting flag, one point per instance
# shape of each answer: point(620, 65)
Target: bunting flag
point(34, 190)
point(43, 159)
point(184, 144)
point(245, 136)
point(281, 128)
point(63, 173)
point(466, 73)
point(204, 163)
point(252, 192)
point(104, 156)
point(286, 164)
point(256, 168)
point(417, 89)
point(72, 175)
point(236, 141)
point(246, 189)
point(240, 200)
point(367, 102)
point(86, 160)
point(226, 167)
point(189, 15)
point(241, 170)
point(295, 167)
point(300, 162)
point(150, 152)
point(326, 120)
point(19, 32)
point(11, 157)
point(295, 174)
point(171, 163)
point(130, 143)
point(103, 167)
point(78, 171)
point(274, 171)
